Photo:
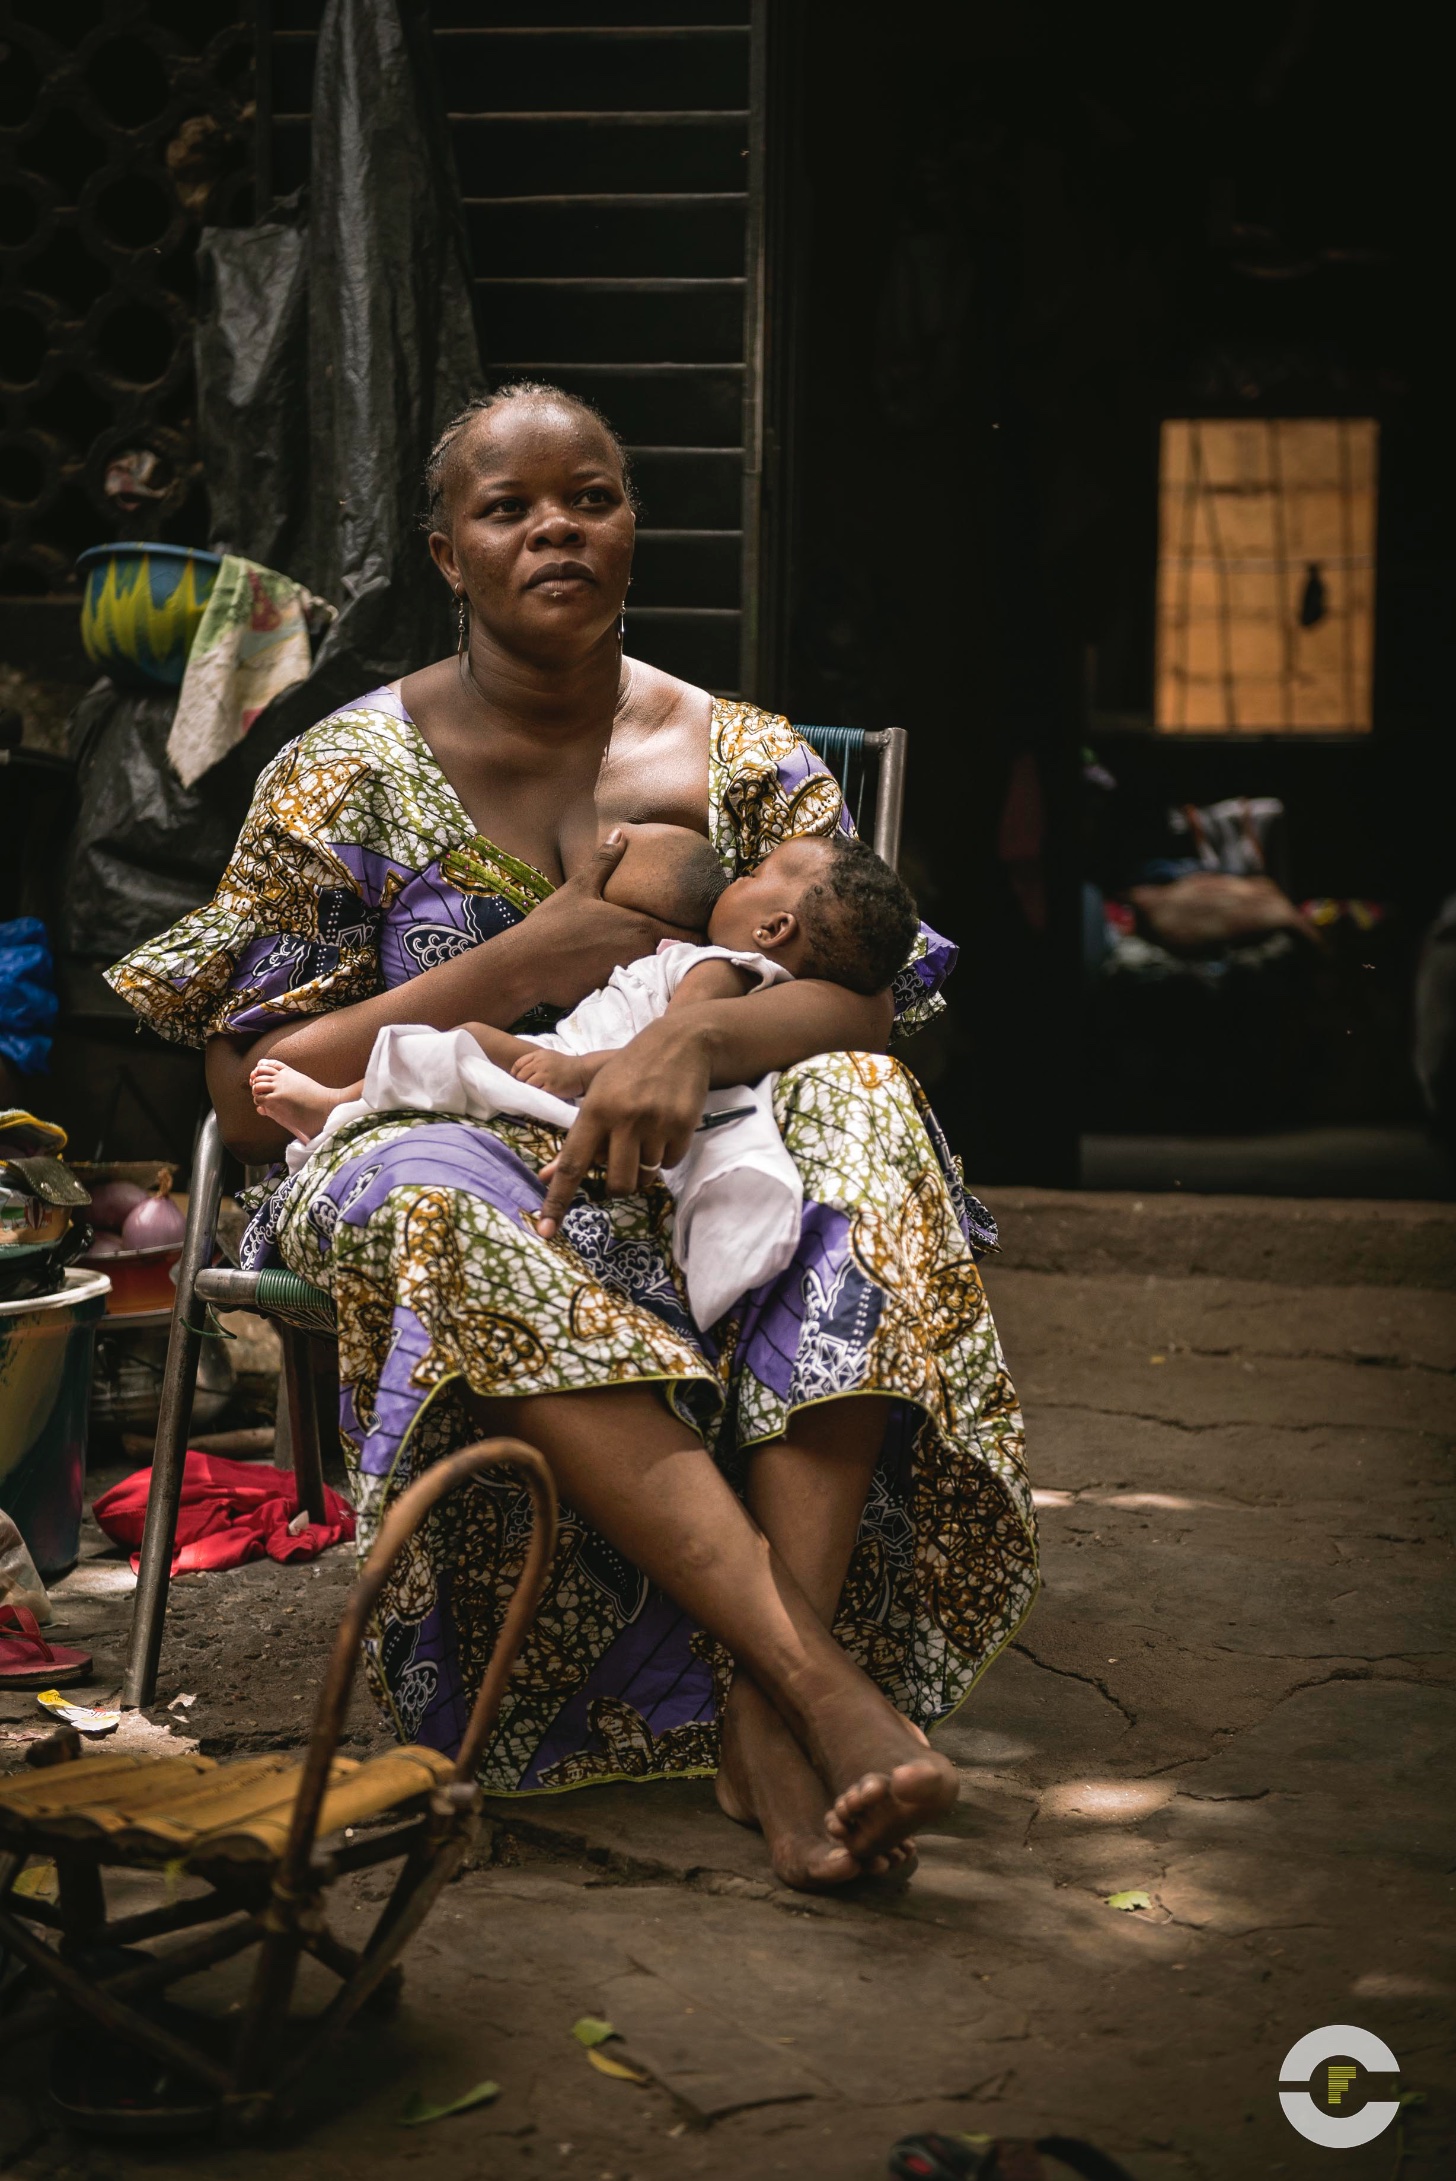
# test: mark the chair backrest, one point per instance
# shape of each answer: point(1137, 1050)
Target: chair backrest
point(847, 751)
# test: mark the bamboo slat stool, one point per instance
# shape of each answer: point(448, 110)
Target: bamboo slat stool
point(266, 1833)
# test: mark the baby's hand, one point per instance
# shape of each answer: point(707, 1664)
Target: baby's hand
point(561, 1073)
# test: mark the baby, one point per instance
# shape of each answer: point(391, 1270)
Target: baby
point(824, 908)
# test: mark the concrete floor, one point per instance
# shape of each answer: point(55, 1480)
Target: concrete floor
point(1234, 1694)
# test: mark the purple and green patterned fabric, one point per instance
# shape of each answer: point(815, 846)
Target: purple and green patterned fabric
point(357, 869)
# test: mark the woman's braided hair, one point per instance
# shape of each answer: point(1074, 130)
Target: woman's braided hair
point(437, 466)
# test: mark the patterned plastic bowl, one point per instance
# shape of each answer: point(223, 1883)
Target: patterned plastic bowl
point(141, 608)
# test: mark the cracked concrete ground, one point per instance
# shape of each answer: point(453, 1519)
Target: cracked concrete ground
point(1234, 1694)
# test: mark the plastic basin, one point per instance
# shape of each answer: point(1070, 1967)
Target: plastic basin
point(140, 1279)
point(141, 608)
point(46, 1348)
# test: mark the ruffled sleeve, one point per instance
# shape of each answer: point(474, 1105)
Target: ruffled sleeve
point(289, 931)
point(766, 785)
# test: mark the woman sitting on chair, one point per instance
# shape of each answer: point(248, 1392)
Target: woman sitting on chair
point(790, 1544)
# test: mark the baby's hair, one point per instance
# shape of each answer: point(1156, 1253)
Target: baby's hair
point(859, 920)
point(703, 880)
point(670, 872)
point(437, 466)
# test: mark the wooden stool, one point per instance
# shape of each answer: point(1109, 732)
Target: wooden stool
point(265, 1834)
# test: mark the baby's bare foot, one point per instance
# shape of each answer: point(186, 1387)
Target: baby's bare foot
point(295, 1100)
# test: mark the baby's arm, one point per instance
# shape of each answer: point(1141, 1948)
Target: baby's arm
point(570, 1074)
point(498, 1045)
point(565, 1074)
point(713, 980)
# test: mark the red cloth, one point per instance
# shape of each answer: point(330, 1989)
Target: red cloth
point(231, 1512)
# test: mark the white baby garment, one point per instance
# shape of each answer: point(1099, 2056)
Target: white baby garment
point(737, 1194)
point(638, 993)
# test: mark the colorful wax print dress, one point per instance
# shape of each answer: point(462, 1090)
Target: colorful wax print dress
point(357, 869)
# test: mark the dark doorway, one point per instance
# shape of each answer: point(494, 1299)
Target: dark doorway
point(1024, 241)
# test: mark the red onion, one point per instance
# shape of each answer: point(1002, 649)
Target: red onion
point(112, 1200)
point(104, 1245)
point(157, 1222)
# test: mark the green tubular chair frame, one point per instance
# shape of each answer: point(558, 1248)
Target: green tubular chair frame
point(845, 751)
point(304, 1314)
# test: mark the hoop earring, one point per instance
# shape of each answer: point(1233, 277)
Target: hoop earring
point(622, 627)
point(462, 622)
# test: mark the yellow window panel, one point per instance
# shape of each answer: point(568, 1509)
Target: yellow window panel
point(1266, 575)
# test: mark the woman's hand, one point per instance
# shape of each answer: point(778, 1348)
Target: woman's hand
point(582, 938)
point(642, 1109)
point(639, 1114)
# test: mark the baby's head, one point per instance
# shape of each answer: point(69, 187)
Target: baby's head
point(828, 908)
point(669, 872)
point(823, 907)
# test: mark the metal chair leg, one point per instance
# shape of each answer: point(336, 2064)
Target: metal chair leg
point(179, 1380)
point(325, 1354)
point(303, 1424)
point(890, 796)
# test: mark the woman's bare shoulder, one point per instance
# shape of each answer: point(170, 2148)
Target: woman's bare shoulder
point(429, 690)
point(659, 761)
point(658, 700)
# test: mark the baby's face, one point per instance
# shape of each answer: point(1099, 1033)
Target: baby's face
point(746, 910)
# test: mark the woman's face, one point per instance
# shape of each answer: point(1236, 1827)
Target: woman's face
point(540, 533)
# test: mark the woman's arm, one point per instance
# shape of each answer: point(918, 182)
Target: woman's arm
point(789, 1022)
point(564, 949)
point(642, 1107)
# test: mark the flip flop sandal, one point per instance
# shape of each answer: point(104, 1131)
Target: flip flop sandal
point(1005, 2158)
point(27, 1661)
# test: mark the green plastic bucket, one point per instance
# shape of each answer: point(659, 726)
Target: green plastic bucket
point(46, 1346)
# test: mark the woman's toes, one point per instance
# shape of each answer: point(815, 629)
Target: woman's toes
point(878, 1811)
point(817, 1867)
point(850, 1809)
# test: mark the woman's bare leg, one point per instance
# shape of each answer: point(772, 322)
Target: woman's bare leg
point(636, 1474)
point(807, 1493)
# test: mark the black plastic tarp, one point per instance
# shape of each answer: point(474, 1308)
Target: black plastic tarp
point(333, 345)
point(144, 849)
point(332, 352)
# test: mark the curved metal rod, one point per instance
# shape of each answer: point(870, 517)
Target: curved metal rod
point(398, 1527)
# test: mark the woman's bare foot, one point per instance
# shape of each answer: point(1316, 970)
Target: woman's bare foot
point(765, 1780)
point(888, 1782)
point(295, 1100)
